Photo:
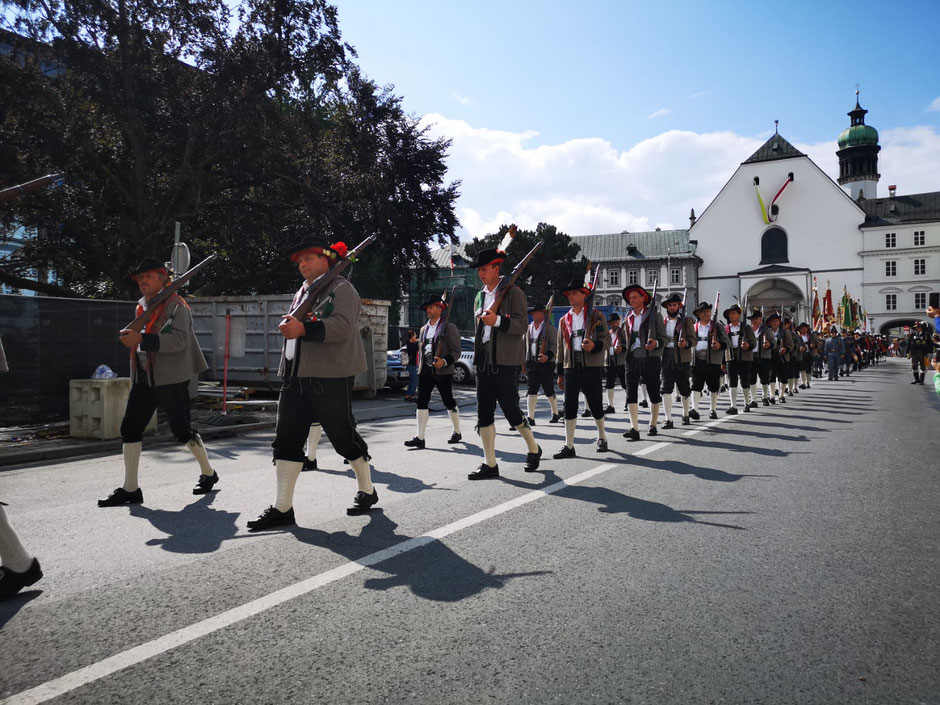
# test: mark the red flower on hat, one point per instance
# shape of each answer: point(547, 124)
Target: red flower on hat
point(340, 248)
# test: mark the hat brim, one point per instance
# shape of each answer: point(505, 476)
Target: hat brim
point(647, 297)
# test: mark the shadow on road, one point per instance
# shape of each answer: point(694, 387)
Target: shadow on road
point(431, 571)
point(197, 528)
point(9, 608)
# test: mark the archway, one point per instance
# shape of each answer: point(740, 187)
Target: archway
point(894, 327)
point(776, 295)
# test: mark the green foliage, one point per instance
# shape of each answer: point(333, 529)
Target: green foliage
point(553, 266)
point(252, 138)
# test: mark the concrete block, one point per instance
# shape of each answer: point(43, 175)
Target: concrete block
point(96, 407)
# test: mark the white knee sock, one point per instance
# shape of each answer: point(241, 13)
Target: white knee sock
point(363, 472)
point(685, 406)
point(454, 418)
point(634, 410)
point(610, 396)
point(714, 400)
point(531, 402)
point(12, 554)
point(601, 431)
point(287, 472)
point(313, 440)
point(773, 388)
point(570, 426)
point(643, 392)
point(667, 406)
point(766, 390)
point(528, 437)
point(553, 401)
point(488, 438)
point(131, 464)
point(198, 449)
point(654, 415)
point(696, 400)
point(422, 416)
point(734, 396)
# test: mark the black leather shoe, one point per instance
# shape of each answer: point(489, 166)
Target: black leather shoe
point(685, 421)
point(415, 443)
point(455, 438)
point(693, 414)
point(732, 410)
point(484, 472)
point(309, 465)
point(916, 381)
point(652, 431)
point(556, 418)
point(120, 496)
point(205, 483)
point(602, 445)
point(783, 400)
point(753, 404)
point(803, 386)
point(363, 503)
point(529, 420)
point(565, 452)
point(766, 401)
point(631, 434)
point(645, 404)
point(723, 389)
point(271, 518)
point(532, 461)
point(773, 400)
point(610, 410)
point(586, 414)
point(713, 414)
point(747, 408)
point(12, 582)
point(669, 424)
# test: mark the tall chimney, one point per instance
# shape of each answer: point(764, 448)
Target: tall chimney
point(692, 218)
point(892, 190)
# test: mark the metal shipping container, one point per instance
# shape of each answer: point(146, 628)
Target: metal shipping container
point(255, 341)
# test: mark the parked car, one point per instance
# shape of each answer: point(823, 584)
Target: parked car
point(464, 372)
point(397, 375)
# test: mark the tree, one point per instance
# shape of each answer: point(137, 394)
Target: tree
point(553, 266)
point(252, 139)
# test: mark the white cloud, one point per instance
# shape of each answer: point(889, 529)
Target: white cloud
point(935, 105)
point(660, 113)
point(462, 99)
point(587, 186)
point(698, 95)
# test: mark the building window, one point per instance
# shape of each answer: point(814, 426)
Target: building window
point(891, 268)
point(633, 276)
point(891, 240)
point(773, 246)
point(920, 300)
point(675, 276)
point(920, 267)
point(652, 277)
point(920, 238)
point(613, 277)
point(891, 302)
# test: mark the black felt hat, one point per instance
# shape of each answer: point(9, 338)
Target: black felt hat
point(577, 284)
point(804, 324)
point(774, 315)
point(704, 306)
point(149, 264)
point(636, 287)
point(488, 256)
point(613, 317)
point(729, 310)
point(756, 313)
point(318, 245)
point(536, 308)
point(434, 301)
point(672, 299)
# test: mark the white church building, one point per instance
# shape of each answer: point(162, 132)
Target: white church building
point(781, 220)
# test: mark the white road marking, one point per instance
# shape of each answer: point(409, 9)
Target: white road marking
point(109, 666)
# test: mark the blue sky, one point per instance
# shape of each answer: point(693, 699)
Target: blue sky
point(609, 116)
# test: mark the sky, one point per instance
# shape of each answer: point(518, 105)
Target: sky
point(600, 117)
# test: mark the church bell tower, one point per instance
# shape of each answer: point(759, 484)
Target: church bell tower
point(858, 156)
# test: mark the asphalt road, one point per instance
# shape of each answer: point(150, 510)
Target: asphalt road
point(784, 556)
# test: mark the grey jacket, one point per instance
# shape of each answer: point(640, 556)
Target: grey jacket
point(449, 352)
point(652, 328)
point(764, 336)
point(332, 346)
point(600, 334)
point(687, 334)
point(548, 335)
point(746, 336)
point(175, 353)
point(617, 337)
point(784, 344)
point(505, 346)
point(715, 357)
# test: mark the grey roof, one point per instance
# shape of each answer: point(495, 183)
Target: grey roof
point(914, 208)
point(647, 245)
point(774, 148)
point(442, 255)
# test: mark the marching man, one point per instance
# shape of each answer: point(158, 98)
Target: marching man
point(741, 357)
point(581, 347)
point(646, 342)
point(541, 344)
point(320, 358)
point(783, 342)
point(436, 371)
point(164, 358)
point(616, 360)
point(711, 341)
point(677, 358)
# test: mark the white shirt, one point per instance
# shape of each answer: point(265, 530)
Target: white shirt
point(489, 298)
point(734, 332)
point(429, 336)
point(637, 322)
point(611, 352)
point(703, 331)
point(534, 337)
point(805, 338)
point(671, 324)
point(577, 330)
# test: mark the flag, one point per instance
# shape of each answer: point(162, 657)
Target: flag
point(828, 313)
point(845, 309)
point(817, 317)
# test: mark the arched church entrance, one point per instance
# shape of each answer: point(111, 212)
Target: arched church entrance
point(777, 295)
point(894, 327)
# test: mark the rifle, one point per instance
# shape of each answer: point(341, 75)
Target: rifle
point(306, 304)
point(440, 343)
point(506, 282)
point(138, 323)
point(713, 333)
point(589, 308)
point(548, 313)
point(681, 320)
point(8, 194)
